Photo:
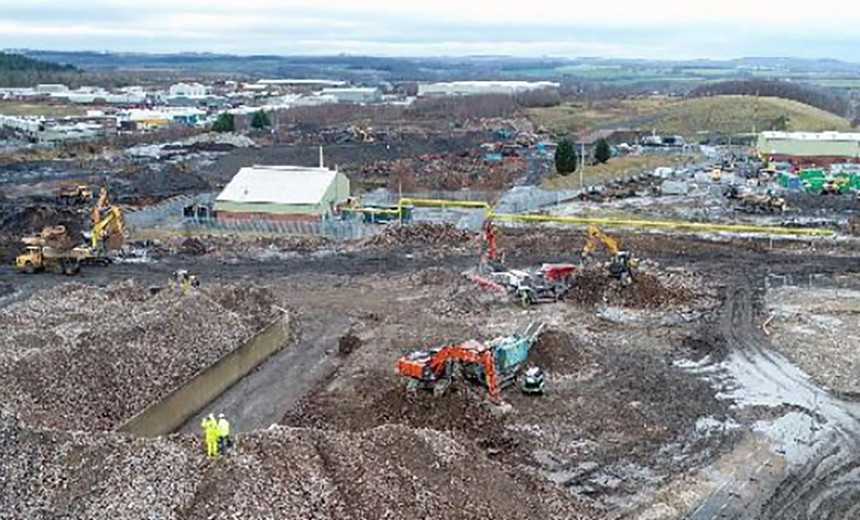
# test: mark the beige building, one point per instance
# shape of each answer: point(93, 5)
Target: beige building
point(295, 193)
point(823, 145)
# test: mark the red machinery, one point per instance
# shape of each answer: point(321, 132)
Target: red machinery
point(433, 369)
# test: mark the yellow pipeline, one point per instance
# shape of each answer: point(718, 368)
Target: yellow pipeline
point(444, 203)
point(683, 225)
point(611, 222)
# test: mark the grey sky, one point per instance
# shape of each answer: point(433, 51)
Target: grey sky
point(613, 28)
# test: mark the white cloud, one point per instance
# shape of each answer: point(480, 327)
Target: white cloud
point(616, 28)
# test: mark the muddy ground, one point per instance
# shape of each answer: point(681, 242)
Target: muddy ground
point(622, 419)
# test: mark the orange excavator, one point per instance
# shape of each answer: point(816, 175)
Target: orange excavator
point(433, 369)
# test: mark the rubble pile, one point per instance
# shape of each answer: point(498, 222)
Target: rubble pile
point(463, 411)
point(230, 245)
point(276, 473)
point(463, 298)
point(420, 234)
point(593, 286)
point(85, 358)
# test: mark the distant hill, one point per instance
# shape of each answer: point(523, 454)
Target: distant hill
point(741, 114)
point(21, 71)
point(689, 117)
point(807, 94)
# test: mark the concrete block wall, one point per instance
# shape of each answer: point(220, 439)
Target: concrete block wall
point(170, 413)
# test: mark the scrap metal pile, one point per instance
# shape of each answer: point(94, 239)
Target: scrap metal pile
point(85, 358)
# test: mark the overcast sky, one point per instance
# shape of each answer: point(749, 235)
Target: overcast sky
point(566, 28)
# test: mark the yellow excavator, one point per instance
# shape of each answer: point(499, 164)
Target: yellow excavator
point(184, 280)
point(621, 263)
point(107, 233)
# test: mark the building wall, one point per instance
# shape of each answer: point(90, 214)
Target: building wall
point(244, 216)
point(268, 208)
point(802, 148)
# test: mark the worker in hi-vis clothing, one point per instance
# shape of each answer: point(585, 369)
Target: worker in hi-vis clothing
point(223, 434)
point(210, 435)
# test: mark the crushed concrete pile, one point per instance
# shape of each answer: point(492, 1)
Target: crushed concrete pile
point(386, 472)
point(421, 234)
point(86, 358)
point(234, 140)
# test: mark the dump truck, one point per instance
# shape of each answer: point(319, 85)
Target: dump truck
point(50, 250)
point(71, 195)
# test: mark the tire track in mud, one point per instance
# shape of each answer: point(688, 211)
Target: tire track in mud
point(822, 478)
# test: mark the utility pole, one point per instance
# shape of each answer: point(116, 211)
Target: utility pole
point(581, 161)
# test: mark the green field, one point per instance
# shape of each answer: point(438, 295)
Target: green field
point(615, 168)
point(687, 117)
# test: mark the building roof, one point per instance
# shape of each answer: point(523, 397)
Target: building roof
point(278, 185)
point(812, 136)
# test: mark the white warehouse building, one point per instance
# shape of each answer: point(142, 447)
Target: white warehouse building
point(465, 88)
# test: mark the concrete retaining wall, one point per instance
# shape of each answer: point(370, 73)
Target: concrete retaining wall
point(170, 413)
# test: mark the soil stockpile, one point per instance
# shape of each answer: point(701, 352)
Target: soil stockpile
point(386, 472)
point(88, 358)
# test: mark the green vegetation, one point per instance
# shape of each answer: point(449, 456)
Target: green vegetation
point(602, 153)
point(565, 157)
point(692, 118)
point(225, 123)
point(260, 120)
point(617, 167)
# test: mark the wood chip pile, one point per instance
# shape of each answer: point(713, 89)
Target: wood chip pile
point(387, 472)
point(87, 358)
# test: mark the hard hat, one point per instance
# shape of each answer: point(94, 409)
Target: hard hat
point(220, 415)
point(211, 415)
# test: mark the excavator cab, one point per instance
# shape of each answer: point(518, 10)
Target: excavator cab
point(184, 280)
point(30, 260)
point(621, 263)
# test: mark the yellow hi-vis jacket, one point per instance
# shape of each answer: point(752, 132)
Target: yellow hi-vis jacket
point(223, 427)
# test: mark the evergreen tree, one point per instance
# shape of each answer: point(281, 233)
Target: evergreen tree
point(224, 123)
point(260, 120)
point(602, 152)
point(565, 157)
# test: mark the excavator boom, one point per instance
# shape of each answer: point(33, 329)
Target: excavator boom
point(596, 237)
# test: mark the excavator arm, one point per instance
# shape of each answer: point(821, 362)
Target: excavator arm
point(112, 223)
point(596, 237)
point(469, 352)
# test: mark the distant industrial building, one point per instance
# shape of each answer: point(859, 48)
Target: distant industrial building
point(43, 130)
point(465, 88)
point(302, 82)
point(361, 95)
point(284, 193)
point(807, 147)
point(188, 89)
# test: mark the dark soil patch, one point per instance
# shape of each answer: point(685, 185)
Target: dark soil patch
point(556, 351)
point(348, 343)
